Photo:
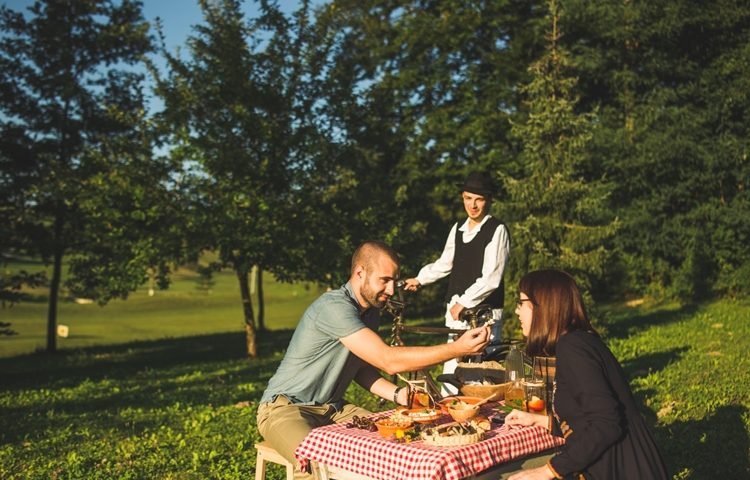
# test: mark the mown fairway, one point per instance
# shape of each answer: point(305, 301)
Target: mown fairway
point(185, 407)
point(188, 307)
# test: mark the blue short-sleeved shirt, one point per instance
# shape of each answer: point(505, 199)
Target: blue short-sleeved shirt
point(317, 367)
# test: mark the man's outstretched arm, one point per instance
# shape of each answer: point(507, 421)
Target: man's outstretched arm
point(367, 345)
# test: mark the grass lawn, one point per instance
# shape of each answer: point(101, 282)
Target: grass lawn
point(185, 309)
point(180, 402)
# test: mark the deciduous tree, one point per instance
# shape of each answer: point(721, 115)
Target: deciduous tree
point(71, 99)
point(233, 113)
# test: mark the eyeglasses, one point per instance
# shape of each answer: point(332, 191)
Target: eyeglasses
point(519, 301)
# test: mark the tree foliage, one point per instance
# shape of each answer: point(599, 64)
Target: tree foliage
point(231, 107)
point(671, 82)
point(413, 95)
point(620, 130)
point(560, 203)
point(73, 137)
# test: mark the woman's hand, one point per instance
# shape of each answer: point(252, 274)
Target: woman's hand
point(540, 473)
point(517, 418)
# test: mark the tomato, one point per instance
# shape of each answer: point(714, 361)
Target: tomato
point(536, 404)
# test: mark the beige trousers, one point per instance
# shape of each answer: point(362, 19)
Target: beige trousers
point(284, 425)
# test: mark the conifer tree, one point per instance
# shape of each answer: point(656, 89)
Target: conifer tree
point(560, 212)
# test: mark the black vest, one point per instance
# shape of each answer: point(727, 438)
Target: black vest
point(468, 259)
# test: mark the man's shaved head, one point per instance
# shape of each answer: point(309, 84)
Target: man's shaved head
point(368, 251)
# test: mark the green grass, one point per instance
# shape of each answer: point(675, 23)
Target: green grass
point(182, 310)
point(690, 368)
point(184, 407)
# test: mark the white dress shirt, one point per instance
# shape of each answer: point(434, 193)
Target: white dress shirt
point(495, 257)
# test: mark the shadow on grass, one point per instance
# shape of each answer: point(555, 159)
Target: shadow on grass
point(625, 323)
point(132, 386)
point(712, 447)
point(123, 360)
point(653, 362)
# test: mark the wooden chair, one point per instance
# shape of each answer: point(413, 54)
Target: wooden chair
point(266, 454)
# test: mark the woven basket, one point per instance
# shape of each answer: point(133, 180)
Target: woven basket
point(497, 390)
point(482, 380)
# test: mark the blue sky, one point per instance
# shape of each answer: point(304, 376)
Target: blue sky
point(177, 16)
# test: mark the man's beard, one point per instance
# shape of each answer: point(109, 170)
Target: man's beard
point(371, 296)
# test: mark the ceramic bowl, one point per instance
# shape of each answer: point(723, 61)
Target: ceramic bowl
point(422, 415)
point(463, 413)
point(387, 427)
point(464, 398)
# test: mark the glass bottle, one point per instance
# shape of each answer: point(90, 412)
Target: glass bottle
point(514, 364)
point(536, 399)
point(515, 396)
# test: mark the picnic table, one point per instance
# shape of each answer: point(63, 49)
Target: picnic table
point(357, 454)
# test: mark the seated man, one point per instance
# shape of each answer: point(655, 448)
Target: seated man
point(335, 342)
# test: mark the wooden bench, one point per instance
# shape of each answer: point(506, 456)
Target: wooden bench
point(266, 454)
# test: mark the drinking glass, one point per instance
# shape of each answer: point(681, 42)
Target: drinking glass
point(535, 396)
point(543, 371)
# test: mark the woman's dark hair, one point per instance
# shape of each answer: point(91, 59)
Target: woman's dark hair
point(558, 309)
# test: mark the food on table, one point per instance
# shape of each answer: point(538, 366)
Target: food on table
point(394, 425)
point(421, 415)
point(483, 423)
point(461, 405)
point(535, 404)
point(400, 419)
point(443, 404)
point(363, 423)
point(454, 434)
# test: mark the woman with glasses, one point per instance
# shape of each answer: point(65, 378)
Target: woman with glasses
point(593, 407)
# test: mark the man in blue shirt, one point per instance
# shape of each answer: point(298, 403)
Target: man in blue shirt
point(335, 342)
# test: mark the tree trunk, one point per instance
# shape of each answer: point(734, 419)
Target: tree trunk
point(54, 288)
point(261, 303)
point(247, 309)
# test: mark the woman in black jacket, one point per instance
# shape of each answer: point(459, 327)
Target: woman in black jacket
point(593, 406)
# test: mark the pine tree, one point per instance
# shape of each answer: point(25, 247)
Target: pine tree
point(561, 212)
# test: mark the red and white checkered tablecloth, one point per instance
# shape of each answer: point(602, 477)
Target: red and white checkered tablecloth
point(369, 454)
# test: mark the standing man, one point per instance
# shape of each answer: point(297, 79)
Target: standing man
point(474, 256)
point(336, 342)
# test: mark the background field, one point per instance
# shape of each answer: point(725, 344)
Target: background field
point(186, 308)
point(180, 401)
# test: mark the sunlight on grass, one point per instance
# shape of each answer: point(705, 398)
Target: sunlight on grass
point(184, 407)
point(182, 310)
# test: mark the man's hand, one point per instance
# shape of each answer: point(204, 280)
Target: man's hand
point(474, 340)
point(456, 310)
point(411, 284)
